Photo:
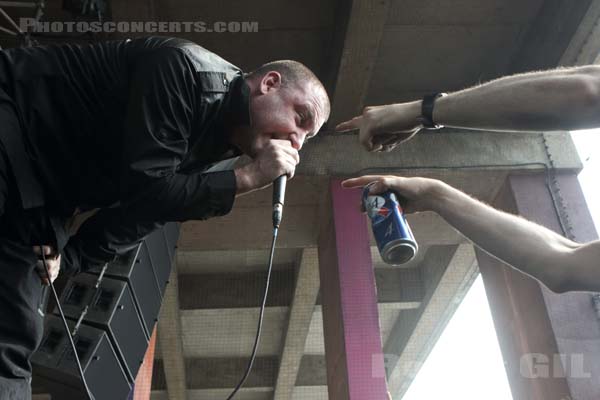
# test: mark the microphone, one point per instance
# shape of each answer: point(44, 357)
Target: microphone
point(278, 197)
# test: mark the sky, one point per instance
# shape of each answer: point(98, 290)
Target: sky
point(466, 362)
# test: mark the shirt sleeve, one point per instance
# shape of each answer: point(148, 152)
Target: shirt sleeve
point(162, 109)
point(161, 112)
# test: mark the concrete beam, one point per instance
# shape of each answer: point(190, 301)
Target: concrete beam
point(255, 393)
point(225, 373)
point(232, 261)
point(251, 228)
point(584, 48)
point(549, 36)
point(301, 312)
point(361, 45)
point(230, 332)
point(245, 261)
point(238, 290)
point(300, 191)
point(234, 291)
point(170, 339)
point(311, 14)
point(298, 230)
point(455, 279)
point(300, 393)
point(430, 152)
point(480, 13)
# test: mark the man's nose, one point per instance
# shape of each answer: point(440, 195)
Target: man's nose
point(297, 140)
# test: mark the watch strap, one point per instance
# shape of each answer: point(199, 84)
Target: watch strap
point(427, 110)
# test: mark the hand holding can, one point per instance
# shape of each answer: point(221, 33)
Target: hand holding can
point(393, 235)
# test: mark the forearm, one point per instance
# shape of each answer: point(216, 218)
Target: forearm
point(180, 197)
point(177, 197)
point(243, 181)
point(531, 248)
point(563, 99)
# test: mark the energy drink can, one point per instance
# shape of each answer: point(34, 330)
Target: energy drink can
point(394, 238)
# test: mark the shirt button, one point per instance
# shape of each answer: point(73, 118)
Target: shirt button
point(225, 81)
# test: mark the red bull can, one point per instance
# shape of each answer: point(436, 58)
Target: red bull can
point(395, 240)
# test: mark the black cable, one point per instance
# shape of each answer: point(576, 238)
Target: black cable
point(67, 331)
point(260, 319)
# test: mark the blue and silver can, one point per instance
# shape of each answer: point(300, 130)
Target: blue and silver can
point(394, 238)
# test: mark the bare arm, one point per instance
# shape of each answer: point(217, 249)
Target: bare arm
point(559, 263)
point(561, 99)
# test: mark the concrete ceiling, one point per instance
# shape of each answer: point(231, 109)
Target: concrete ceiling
point(367, 52)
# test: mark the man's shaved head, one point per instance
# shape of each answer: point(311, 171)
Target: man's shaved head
point(287, 102)
point(296, 75)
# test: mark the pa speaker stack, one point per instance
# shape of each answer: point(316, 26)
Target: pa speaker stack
point(113, 311)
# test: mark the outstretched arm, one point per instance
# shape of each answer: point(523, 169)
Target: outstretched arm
point(561, 264)
point(555, 100)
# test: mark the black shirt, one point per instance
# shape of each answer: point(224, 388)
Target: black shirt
point(128, 126)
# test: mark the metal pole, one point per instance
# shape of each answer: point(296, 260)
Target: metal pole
point(12, 22)
point(7, 31)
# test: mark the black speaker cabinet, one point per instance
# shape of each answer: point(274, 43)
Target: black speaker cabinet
point(56, 371)
point(161, 254)
point(172, 234)
point(136, 269)
point(112, 309)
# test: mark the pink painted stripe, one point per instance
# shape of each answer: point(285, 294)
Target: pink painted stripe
point(143, 381)
point(358, 297)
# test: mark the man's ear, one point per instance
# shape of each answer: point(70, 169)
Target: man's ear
point(270, 81)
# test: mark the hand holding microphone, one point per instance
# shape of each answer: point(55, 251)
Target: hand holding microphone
point(277, 158)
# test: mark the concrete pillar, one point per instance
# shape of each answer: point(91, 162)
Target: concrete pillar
point(355, 364)
point(550, 342)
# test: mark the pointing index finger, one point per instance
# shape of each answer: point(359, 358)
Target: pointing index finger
point(360, 181)
point(349, 125)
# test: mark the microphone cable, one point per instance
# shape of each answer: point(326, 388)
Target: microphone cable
point(260, 318)
point(68, 332)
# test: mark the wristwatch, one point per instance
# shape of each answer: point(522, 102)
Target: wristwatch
point(427, 111)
